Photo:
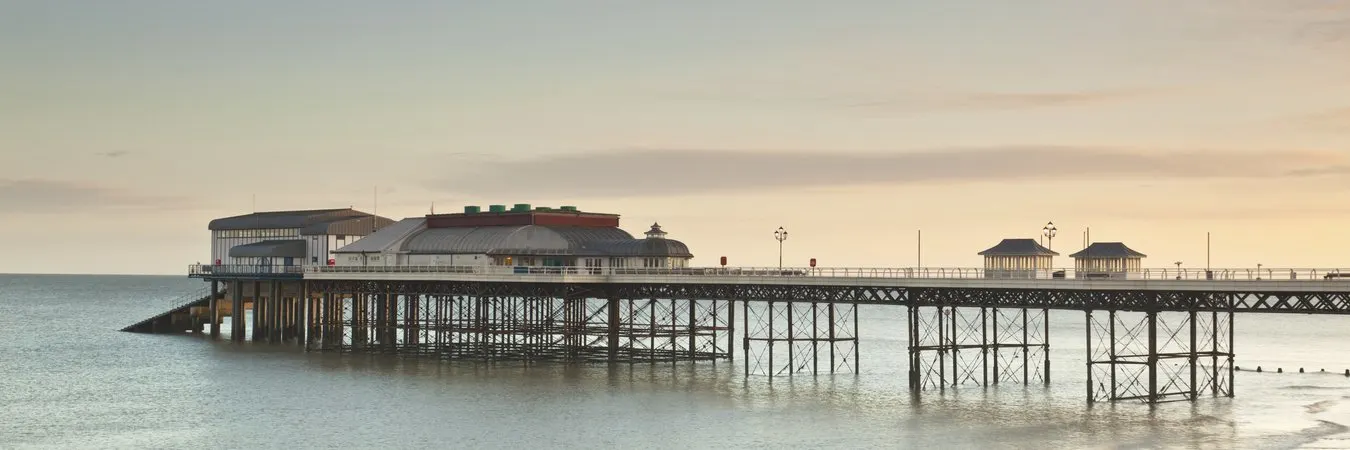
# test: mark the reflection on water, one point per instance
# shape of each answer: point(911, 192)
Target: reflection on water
point(71, 381)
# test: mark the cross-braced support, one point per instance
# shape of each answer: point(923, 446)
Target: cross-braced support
point(501, 322)
point(951, 346)
point(1159, 356)
point(785, 338)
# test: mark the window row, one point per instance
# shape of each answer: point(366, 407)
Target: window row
point(225, 234)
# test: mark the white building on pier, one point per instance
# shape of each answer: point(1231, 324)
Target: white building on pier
point(521, 236)
point(1018, 258)
point(1108, 260)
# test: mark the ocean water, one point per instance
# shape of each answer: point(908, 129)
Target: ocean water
point(68, 379)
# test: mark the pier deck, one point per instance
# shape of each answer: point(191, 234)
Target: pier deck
point(966, 326)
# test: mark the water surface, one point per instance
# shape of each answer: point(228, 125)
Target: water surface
point(70, 380)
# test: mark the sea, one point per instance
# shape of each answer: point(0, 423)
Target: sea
point(69, 379)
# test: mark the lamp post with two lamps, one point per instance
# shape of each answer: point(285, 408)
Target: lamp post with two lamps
point(781, 235)
point(1049, 232)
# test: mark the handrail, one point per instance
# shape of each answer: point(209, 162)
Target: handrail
point(1173, 274)
point(242, 269)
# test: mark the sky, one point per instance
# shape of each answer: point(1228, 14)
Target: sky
point(126, 126)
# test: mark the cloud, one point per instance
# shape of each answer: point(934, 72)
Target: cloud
point(114, 154)
point(1310, 22)
point(1001, 100)
point(677, 172)
point(1336, 120)
point(1319, 171)
point(52, 196)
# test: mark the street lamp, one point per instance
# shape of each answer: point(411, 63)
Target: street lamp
point(781, 235)
point(1178, 263)
point(1049, 232)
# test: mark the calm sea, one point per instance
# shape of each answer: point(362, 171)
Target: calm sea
point(68, 379)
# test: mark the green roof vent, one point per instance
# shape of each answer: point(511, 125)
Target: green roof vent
point(496, 208)
point(569, 208)
point(472, 210)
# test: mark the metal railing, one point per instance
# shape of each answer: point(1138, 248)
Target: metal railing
point(1239, 274)
point(208, 270)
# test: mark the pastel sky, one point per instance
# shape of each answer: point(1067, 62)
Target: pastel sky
point(126, 126)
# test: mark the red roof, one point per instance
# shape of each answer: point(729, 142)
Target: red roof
point(549, 218)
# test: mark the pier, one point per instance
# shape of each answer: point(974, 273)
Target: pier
point(1152, 335)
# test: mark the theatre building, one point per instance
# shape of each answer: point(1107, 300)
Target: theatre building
point(520, 236)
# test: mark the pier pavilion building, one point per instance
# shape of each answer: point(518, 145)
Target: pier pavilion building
point(1018, 258)
point(521, 236)
point(1108, 260)
point(288, 238)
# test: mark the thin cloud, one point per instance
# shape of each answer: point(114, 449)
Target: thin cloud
point(1317, 23)
point(1320, 171)
point(1002, 100)
point(1337, 120)
point(677, 172)
point(52, 196)
point(114, 154)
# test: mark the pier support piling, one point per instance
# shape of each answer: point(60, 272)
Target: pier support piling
point(784, 338)
point(1157, 356)
point(954, 346)
point(487, 321)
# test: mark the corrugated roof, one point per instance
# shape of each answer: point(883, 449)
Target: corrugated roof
point(351, 226)
point(1018, 247)
point(528, 239)
point(284, 219)
point(387, 239)
point(1107, 250)
point(645, 247)
point(281, 248)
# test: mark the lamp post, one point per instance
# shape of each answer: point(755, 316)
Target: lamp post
point(1178, 263)
point(781, 235)
point(1049, 232)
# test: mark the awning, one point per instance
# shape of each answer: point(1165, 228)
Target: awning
point(270, 249)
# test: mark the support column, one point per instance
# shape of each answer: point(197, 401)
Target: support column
point(1088, 330)
point(274, 314)
point(236, 290)
point(257, 305)
point(731, 329)
point(1045, 347)
point(301, 319)
point(1152, 356)
point(213, 308)
point(612, 336)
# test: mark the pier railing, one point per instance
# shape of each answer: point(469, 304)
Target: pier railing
point(1261, 274)
point(209, 270)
